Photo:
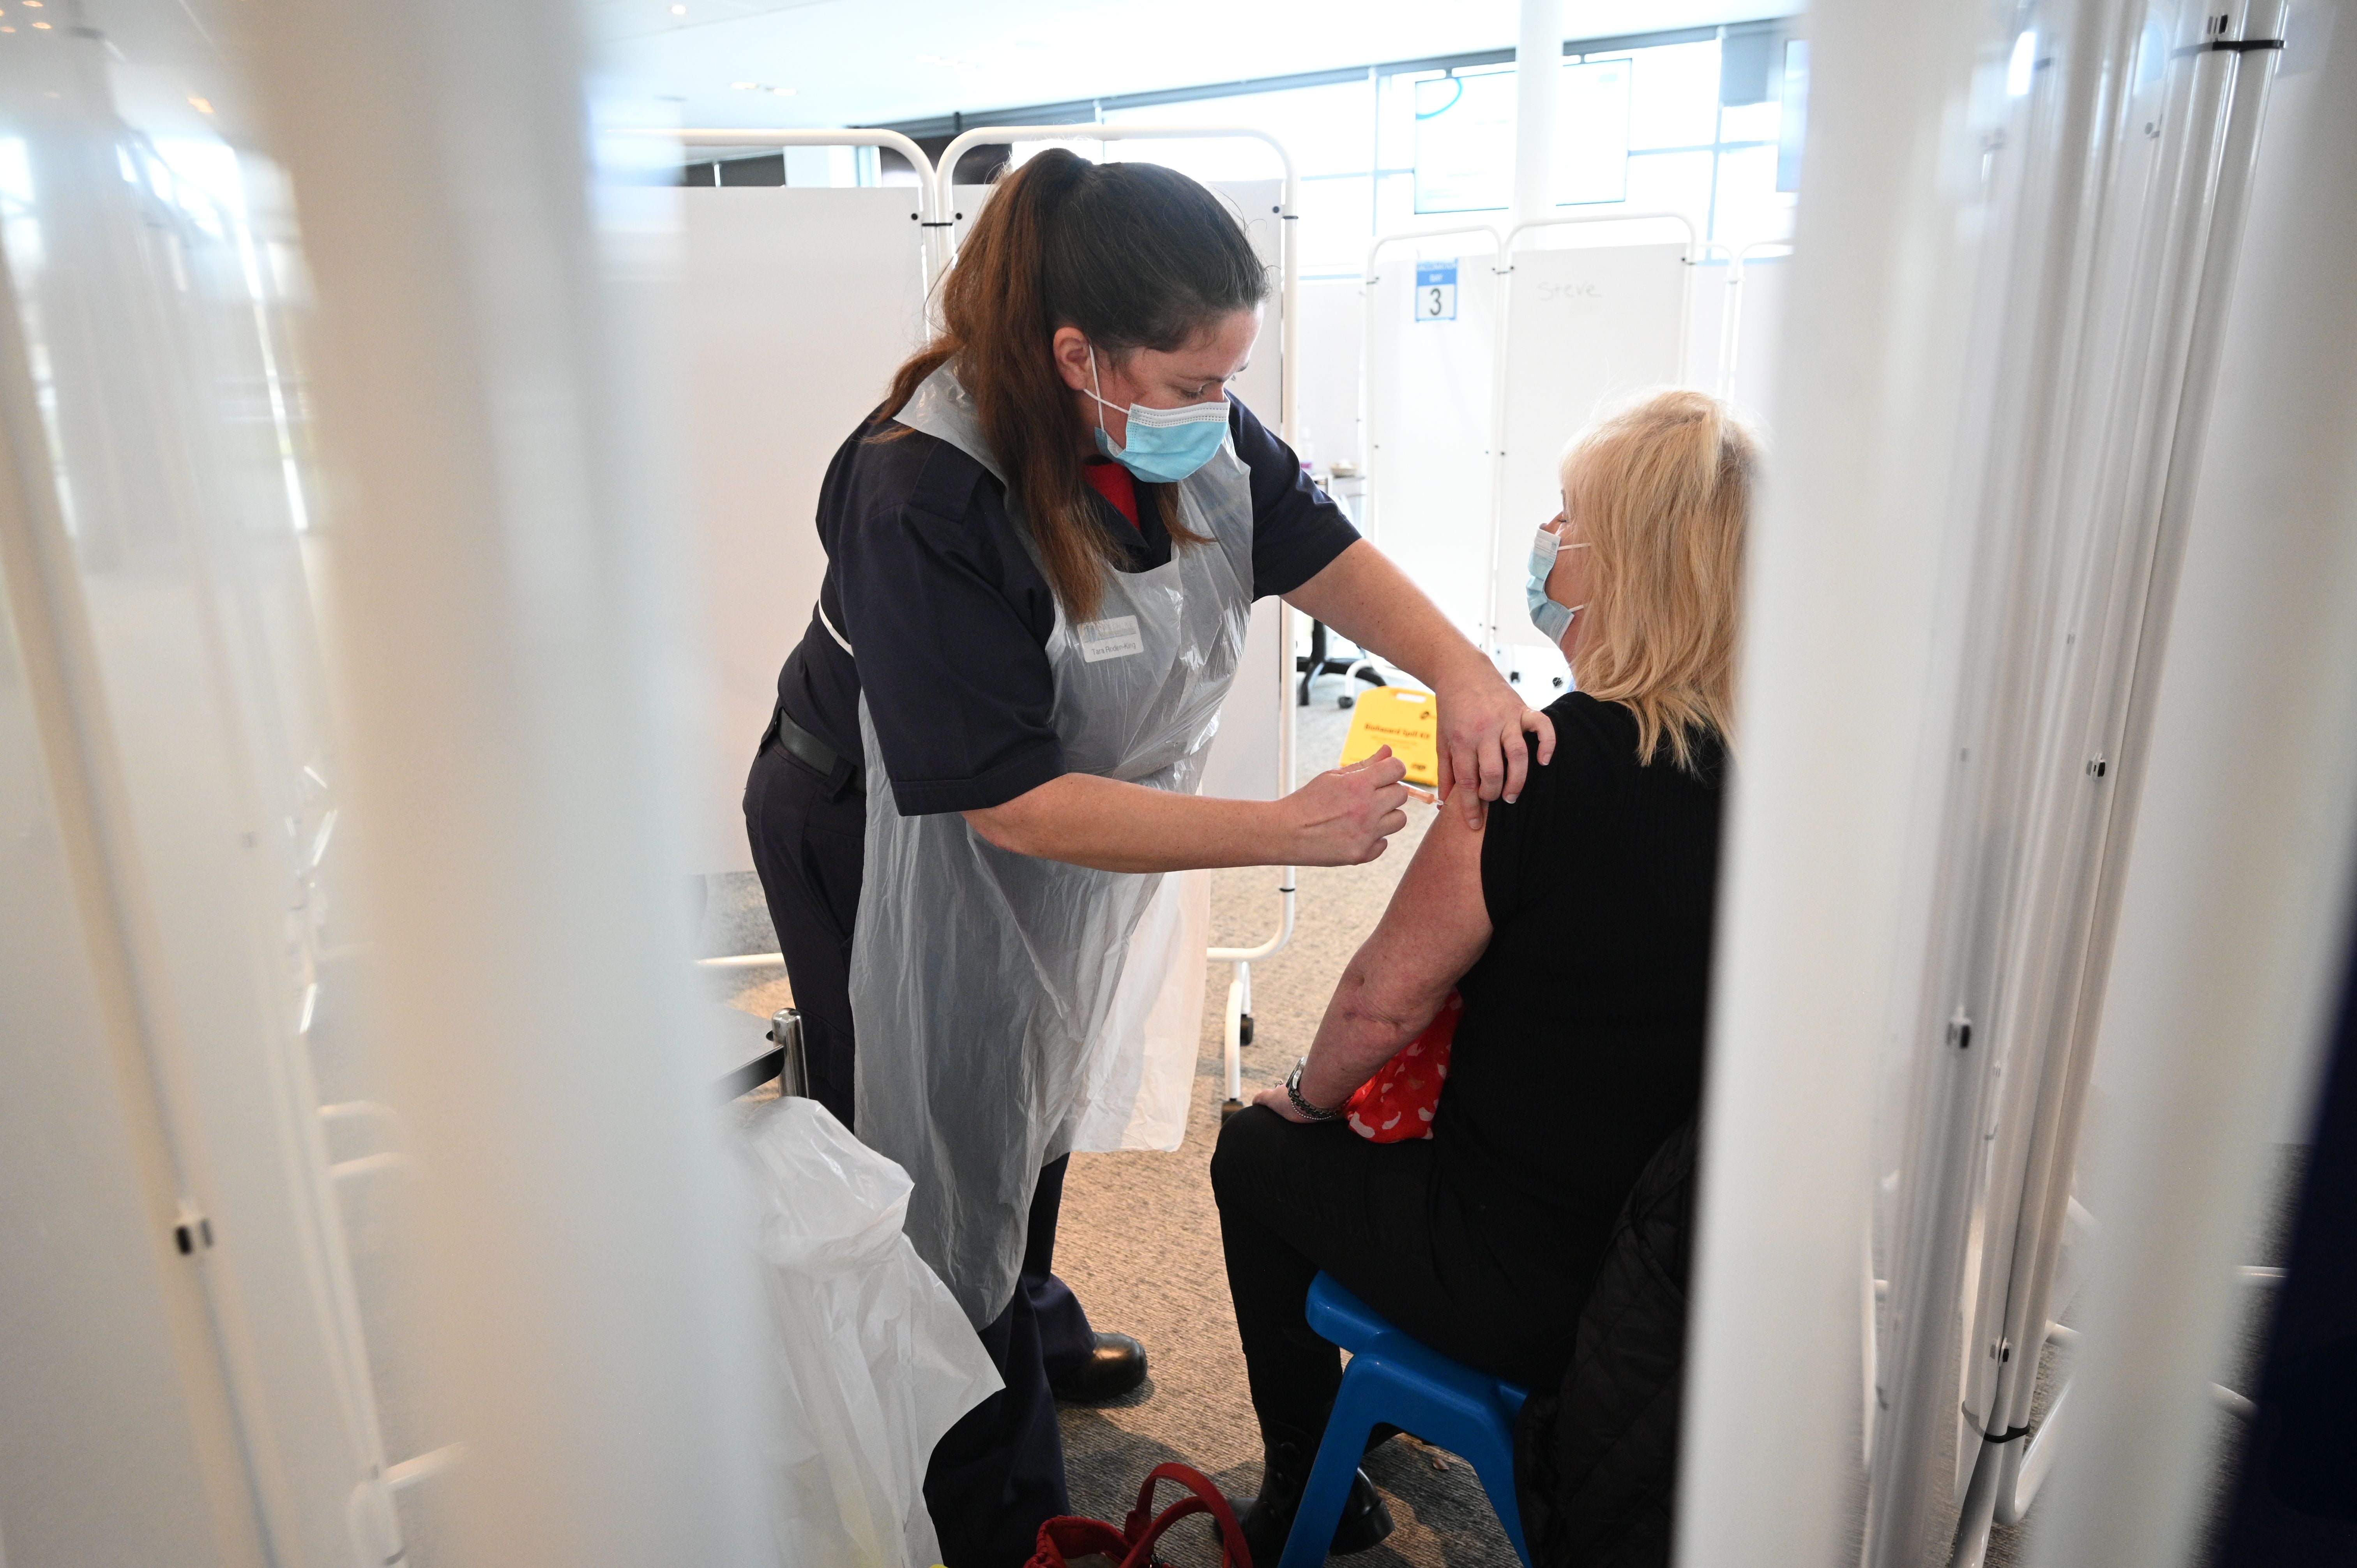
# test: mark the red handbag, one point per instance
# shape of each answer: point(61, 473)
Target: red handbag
point(1071, 1542)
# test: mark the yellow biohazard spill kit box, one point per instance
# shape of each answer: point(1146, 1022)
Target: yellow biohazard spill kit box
point(1407, 721)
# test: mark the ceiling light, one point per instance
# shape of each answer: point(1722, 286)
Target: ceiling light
point(201, 105)
point(679, 10)
point(784, 91)
point(43, 27)
point(746, 86)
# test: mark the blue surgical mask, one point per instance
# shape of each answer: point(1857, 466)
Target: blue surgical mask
point(1552, 619)
point(1166, 445)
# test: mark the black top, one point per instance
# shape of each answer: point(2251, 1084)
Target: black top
point(928, 579)
point(1580, 1047)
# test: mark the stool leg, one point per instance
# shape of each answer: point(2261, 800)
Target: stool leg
point(1329, 1486)
point(1492, 1458)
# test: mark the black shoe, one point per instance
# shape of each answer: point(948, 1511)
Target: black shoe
point(1267, 1518)
point(1116, 1366)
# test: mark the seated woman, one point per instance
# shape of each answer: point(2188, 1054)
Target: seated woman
point(1576, 925)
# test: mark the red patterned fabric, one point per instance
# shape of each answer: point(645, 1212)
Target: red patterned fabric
point(1397, 1103)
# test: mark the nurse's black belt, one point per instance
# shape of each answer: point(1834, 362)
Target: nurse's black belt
point(839, 771)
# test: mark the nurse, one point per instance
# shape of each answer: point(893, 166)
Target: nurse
point(1043, 549)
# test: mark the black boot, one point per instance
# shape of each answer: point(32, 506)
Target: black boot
point(1267, 1518)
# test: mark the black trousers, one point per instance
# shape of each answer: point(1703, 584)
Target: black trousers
point(1461, 1272)
point(1000, 1470)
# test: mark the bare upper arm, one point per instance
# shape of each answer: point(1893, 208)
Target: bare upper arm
point(1436, 928)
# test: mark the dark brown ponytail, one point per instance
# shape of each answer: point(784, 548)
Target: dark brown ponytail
point(1135, 256)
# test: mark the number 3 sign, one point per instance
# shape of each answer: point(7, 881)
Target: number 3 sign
point(1435, 291)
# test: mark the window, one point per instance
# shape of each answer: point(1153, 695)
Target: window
point(1464, 140)
point(1672, 126)
point(1328, 130)
point(1592, 118)
point(1707, 126)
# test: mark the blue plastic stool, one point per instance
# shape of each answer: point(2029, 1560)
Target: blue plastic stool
point(1392, 1379)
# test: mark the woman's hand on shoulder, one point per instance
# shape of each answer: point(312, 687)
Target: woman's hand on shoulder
point(1483, 723)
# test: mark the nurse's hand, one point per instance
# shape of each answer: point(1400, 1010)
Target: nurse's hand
point(1482, 722)
point(1347, 815)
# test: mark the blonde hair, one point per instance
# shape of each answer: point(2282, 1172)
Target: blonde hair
point(1661, 492)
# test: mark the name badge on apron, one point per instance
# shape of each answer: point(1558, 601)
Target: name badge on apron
point(1116, 637)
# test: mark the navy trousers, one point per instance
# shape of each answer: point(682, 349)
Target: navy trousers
point(999, 1472)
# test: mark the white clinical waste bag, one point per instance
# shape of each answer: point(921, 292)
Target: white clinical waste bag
point(984, 982)
point(870, 1359)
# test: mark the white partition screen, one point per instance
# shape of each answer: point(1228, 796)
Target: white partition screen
point(1586, 328)
point(1430, 355)
point(797, 305)
point(1243, 763)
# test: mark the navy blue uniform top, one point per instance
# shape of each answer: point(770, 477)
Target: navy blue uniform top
point(928, 579)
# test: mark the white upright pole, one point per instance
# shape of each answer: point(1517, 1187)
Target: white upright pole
point(1538, 80)
point(2236, 899)
point(507, 619)
point(1538, 76)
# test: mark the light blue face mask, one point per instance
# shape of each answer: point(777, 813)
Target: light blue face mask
point(1166, 445)
point(1553, 620)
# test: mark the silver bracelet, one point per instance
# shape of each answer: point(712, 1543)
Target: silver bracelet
point(1293, 1093)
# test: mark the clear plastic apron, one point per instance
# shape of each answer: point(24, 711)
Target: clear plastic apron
point(985, 984)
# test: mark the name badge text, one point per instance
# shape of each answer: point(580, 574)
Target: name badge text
point(1116, 638)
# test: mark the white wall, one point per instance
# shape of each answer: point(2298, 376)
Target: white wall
point(1752, 387)
point(1332, 339)
point(793, 307)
